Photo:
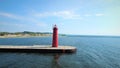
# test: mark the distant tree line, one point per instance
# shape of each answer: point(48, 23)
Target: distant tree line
point(24, 33)
point(29, 33)
point(4, 33)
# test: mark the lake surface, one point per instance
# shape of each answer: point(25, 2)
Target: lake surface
point(92, 52)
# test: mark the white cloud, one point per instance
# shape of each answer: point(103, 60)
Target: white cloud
point(10, 15)
point(62, 14)
point(41, 24)
point(87, 15)
point(22, 19)
point(99, 14)
point(13, 16)
point(8, 24)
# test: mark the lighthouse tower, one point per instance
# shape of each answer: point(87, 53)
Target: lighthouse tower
point(55, 37)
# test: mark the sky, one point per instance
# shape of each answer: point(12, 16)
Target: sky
point(78, 17)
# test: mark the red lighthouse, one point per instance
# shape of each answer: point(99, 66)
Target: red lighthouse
point(55, 37)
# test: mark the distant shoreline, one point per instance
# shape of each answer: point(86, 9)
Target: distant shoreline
point(26, 34)
point(21, 36)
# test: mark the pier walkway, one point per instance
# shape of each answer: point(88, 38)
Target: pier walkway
point(37, 48)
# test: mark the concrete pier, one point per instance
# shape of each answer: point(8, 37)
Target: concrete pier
point(37, 49)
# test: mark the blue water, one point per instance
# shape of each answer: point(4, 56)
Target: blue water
point(92, 52)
